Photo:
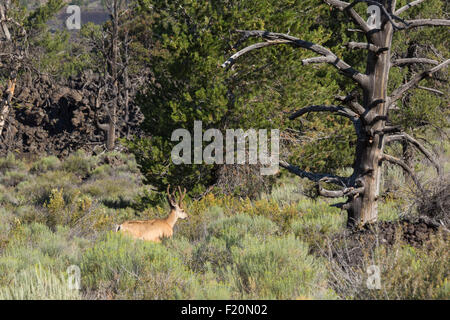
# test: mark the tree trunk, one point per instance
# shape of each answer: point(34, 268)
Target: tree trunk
point(6, 103)
point(111, 132)
point(126, 83)
point(369, 150)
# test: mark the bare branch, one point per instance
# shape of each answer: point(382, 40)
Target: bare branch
point(430, 89)
point(426, 22)
point(418, 145)
point(397, 93)
point(3, 23)
point(404, 166)
point(409, 5)
point(346, 192)
point(345, 6)
point(391, 129)
point(350, 101)
point(375, 103)
point(399, 62)
point(345, 112)
point(315, 177)
point(330, 193)
point(355, 30)
point(259, 45)
point(390, 16)
point(316, 60)
point(321, 108)
point(281, 38)
point(102, 126)
point(362, 45)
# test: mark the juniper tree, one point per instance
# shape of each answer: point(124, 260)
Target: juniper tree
point(367, 106)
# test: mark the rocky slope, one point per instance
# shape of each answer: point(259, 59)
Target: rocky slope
point(50, 118)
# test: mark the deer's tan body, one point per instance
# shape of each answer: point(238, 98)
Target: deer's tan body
point(150, 230)
point(156, 229)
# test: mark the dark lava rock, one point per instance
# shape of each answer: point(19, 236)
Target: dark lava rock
point(53, 118)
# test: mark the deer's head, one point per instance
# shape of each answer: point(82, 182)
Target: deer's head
point(177, 206)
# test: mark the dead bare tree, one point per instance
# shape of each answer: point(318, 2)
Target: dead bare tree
point(119, 85)
point(116, 113)
point(112, 72)
point(370, 115)
point(13, 51)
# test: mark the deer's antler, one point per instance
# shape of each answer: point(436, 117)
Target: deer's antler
point(182, 195)
point(171, 197)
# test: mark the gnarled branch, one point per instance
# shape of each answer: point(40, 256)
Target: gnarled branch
point(345, 6)
point(399, 62)
point(430, 89)
point(273, 38)
point(368, 46)
point(351, 102)
point(259, 45)
point(404, 166)
point(418, 145)
point(307, 61)
point(409, 5)
point(391, 129)
point(397, 93)
point(345, 112)
point(346, 192)
point(391, 17)
point(102, 126)
point(321, 108)
point(315, 177)
point(426, 23)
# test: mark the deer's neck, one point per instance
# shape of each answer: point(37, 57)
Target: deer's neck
point(171, 218)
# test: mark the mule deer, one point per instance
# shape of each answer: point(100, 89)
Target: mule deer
point(156, 229)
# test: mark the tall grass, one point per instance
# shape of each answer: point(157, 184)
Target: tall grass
point(56, 213)
point(38, 284)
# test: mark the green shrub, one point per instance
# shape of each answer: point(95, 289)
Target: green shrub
point(116, 191)
point(102, 171)
point(412, 273)
point(134, 269)
point(212, 255)
point(316, 221)
point(120, 161)
point(233, 229)
point(182, 247)
point(11, 163)
point(35, 244)
point(29, 214)
point(38, 190)
point(214, 252)
point(7, 196)
point(195, 227)
point(7, 222)
point(406, 272)
point(13, 178)
point(279, 268)
point(45, 164)
point(38, 284)
point(80, 163)
point(286, 191)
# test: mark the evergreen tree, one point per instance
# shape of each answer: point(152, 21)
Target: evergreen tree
point(188, 85)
